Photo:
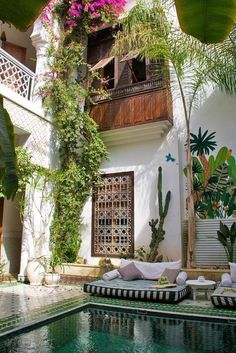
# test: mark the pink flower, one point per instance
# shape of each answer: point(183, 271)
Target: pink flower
point(71, 23)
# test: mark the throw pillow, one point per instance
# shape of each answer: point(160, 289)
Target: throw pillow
point(226, 280)
point(181, 278)
point(233, 271)
point(171, 274)
point(130, 272)
point(152, 270)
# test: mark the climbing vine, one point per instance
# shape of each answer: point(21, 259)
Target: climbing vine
point(67, 87)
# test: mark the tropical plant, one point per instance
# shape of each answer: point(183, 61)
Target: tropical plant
point(157, 225)
point(214, 179)
point(201, 144)
point(227, 237)
point(22, 15)
point(210, 21)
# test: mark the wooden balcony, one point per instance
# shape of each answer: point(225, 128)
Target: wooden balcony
point(141, 103)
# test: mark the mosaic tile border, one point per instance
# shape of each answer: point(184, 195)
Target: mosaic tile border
point(175, 309)
point(19, 322)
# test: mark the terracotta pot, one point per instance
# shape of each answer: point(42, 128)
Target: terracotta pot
point(35, 272)
point(52, 279)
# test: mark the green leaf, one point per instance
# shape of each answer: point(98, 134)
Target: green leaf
point(8, 172)
point(221, 157)
point(21, 13)
point(222, 238)
point(211, 162)
point(210, 21)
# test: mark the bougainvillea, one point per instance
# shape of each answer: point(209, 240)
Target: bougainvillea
point(90, 15)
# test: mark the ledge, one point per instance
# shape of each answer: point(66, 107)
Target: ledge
point(208, 273)
point(138, 133)
point(81, 270)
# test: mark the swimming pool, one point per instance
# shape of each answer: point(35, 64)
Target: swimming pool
point(106, 331)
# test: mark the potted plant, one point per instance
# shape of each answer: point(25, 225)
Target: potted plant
point(52, 276)
point(227, 237)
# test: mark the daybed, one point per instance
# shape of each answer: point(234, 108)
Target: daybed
point(225, 294)
point(137, 289)
point(139, 280)
point(224, 297)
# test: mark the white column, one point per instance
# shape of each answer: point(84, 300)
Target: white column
point(41, 41)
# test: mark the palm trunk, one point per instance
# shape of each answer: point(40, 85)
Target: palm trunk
point(206, 169)
point(190, 191)
point(190, 204)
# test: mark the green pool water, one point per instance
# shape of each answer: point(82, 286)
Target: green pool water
point(105, 331)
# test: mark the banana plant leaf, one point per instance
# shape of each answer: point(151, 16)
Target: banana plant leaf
point(21, 13)
point(210, 21)
point(8, 171)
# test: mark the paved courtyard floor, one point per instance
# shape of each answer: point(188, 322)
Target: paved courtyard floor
point(22, 305)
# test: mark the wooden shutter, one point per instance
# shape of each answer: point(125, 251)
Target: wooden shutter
point(124, 74)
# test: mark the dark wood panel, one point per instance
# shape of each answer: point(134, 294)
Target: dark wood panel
point(134, 110)
point(18, 52)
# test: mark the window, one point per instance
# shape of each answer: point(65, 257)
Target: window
point(113, 219)
point(137, 66)
point(107, 71)
point(138, 70)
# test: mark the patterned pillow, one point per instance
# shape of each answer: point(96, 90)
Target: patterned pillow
point(130, 272)
point(171, 274)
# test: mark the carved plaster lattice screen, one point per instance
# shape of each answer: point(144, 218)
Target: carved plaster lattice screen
point(113, 215)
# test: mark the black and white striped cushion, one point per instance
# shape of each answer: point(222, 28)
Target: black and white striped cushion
point(224, 297)
point(141, 290)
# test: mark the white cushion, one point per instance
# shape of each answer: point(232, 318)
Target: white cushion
point(152, 270)
point(181, 278)
point(226, 280)
point(233, 271)
point(108, 276)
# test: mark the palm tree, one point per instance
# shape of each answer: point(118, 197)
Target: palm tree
point(148, 31)
point(21, 16)
point(202, 144)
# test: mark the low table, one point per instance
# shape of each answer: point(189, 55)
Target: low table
point(204, 285)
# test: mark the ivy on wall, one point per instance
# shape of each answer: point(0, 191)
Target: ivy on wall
point(67, 87)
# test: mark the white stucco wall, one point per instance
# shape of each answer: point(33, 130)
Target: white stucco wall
point(218, 113)
point(144, 158)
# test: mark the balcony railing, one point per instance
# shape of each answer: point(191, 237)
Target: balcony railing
point(130, 90)
point(15, 75)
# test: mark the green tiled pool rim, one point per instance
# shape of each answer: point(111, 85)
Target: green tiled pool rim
point(18, 323)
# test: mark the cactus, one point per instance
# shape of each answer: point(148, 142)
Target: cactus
point(156, 225)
